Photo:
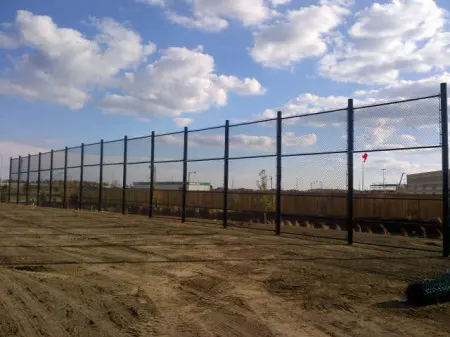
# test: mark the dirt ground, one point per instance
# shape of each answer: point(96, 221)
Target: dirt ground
point(70, 273)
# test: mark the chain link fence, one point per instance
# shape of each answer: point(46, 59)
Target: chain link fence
point(349, 173)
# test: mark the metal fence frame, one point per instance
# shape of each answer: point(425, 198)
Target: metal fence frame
point(350, 151)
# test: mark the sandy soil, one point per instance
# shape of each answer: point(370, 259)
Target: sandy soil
point(69, 273)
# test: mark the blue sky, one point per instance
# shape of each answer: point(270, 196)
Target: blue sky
point(80, 71)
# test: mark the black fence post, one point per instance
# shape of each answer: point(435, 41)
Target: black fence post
point(38, 188)
point(444, 134)
point(65, 178)
point(185, 154)
point(278, 195)
point(100, 179)
point(27, 190)
point(124, 180)
point(18, 180)
point(152, 175)
point(225, 173)
point(350, 144)
point(10, 178)
point(80, 186)
point(50, 186)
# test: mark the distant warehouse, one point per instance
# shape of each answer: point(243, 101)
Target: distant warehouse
point(174, 186)
point(425, 182)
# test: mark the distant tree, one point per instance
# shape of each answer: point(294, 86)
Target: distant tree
point(267, 199)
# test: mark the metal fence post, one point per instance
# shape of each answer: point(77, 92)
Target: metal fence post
point(185, 154)
point(124, 180)
point(100, 179)
point(50, 186)
point(38, 188)
point(18, 180)
point(225, 173)
point(80, 186)
point(10, 178)
point(27, 190)
point(445, 204)
point(65, 178)
point(350, 144)
point(278, 192)
point(152, 175)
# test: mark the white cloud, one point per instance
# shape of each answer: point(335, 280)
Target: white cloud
point(404, 89)
point(182, 80)
point(215, 15)
point(299, 34)
point(63, 66)
point(376, 163)
point(406, 124)
point(8, 42)
point(14, 149)
point(212, 24)
point(161, 3)
point(182, 122)
point(388, 40)
point(280, 2)
point(244, 141)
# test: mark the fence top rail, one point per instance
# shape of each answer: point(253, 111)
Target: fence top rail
point(140, 137)
point(395, 102)
point(208, 128)
point(249, 122)
point(315, 113)
point(92, 144)
point(253, 122)
point(169, 134)
point(113, 141)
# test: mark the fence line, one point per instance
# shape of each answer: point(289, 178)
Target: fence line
point(130, 158)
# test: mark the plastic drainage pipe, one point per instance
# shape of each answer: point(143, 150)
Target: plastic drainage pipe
point(429, 291)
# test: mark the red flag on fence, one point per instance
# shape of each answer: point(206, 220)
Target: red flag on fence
point(364, 157)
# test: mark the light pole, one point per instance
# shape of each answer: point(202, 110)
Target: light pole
point(189, 175)
point(384, 185)
point(313, 183)
point(296, 183)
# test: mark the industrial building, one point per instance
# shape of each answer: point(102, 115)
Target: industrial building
point(425, 182)
point(174, 186)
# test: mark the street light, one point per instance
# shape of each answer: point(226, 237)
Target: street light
point(189, 175)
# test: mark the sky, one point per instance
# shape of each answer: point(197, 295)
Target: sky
point(76, 72)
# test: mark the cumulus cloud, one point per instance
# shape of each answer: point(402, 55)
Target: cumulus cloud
point(299, 34)
point(63, 65)
point(212, 24)
point(181, 80)
point(389, 39)
point(244, 141)
point(403, 89)
point(280, 2)
point(161, 3)
point(14, 149)
point(182, 122)
point(215, 15)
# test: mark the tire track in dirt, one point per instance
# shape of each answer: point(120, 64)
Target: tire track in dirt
point(86, 309)
point(27, 311)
